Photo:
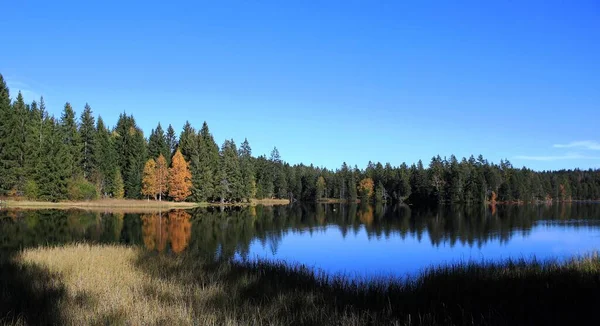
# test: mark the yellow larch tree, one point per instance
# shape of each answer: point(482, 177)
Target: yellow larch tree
point(162, 176)
point(180, 178)
point(365, 188)
point(149, 179)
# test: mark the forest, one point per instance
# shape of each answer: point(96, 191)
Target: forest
point(72, 157)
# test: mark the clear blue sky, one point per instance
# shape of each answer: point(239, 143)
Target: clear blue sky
point(327, 82)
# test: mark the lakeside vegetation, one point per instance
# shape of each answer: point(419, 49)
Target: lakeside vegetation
point(110, 284)
point(55, 159)
point(127, 205)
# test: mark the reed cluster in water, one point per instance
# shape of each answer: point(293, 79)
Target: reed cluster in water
point(112, 284)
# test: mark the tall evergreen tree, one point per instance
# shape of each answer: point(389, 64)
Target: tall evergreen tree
point(171, 140)
point(55, 173)
point(208, 164)
point(157, 144)
point(131, 149)
point(72, 139)
point(247, 170)
point(6, 163)
point(19, 140)
point(230, 185)
point(87, 131)
point(105, 158)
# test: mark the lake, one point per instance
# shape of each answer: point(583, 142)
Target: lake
point(351, 239)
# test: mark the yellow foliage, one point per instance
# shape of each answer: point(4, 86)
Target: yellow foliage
point(366, 187)
point(149, 187)
point(180, 178)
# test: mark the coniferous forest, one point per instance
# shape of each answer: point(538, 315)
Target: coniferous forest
point(78, 157)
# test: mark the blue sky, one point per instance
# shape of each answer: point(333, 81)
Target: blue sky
point(327, 82)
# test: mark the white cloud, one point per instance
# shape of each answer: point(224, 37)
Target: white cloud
point(584, 144)
point(568, 156)
point(28, 93)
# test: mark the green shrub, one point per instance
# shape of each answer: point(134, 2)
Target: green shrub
point(32, 190)
point(81, 189)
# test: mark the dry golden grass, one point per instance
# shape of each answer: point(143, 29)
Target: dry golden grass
point(102, 204)
point(104, 287)
point(127, 205)
point(269, 202)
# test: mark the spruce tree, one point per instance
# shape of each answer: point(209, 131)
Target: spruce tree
point(131, 149)
point(5, 128)
point(230, 185)
point(17, 146)
point(208, 163)
point(87, 131)
point(157, 144)
point(54, 172)
point(105, 158)
point(171, 140)
point(247, 170)
point(71, 139)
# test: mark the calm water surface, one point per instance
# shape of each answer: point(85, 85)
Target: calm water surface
point(354, 240)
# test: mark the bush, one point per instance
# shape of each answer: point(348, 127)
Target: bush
point(81, 189)
point(32, 191)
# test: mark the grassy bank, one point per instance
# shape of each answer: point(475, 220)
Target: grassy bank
point(101, 204)
point(83, 284)
point(127, 204)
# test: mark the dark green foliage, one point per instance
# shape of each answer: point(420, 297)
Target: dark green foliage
point(55, 170)
point(71, 139)
point(230, 185)
point(157, 144)
point(131, 149)
point(105, 159)
point(5, 129)
point(171, 140)
point(87, 132)
point(210, 179)
point(27, 145)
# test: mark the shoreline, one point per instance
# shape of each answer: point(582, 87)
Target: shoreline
point(129, 204)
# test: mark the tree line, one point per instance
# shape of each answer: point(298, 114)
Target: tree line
point(47, 158)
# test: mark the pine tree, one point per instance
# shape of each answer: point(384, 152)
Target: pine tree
point(131, 149)
point(247, 170)
point(180, 178)
point(87, 131)
point(71, 138)
point(171, 140)
point(209, 179)
point(157, 144)
point(18, 144)
point(5, 127)
point(105, 158)
point(230, 185)
point(149, 186)
point(54, 173)
point(352, 190)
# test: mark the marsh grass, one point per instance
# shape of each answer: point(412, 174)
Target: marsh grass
point(94, 284)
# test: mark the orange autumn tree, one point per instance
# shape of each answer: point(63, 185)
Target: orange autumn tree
point(180, 178)
point(162, 176)
point(149, 180)
point(365, 188)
